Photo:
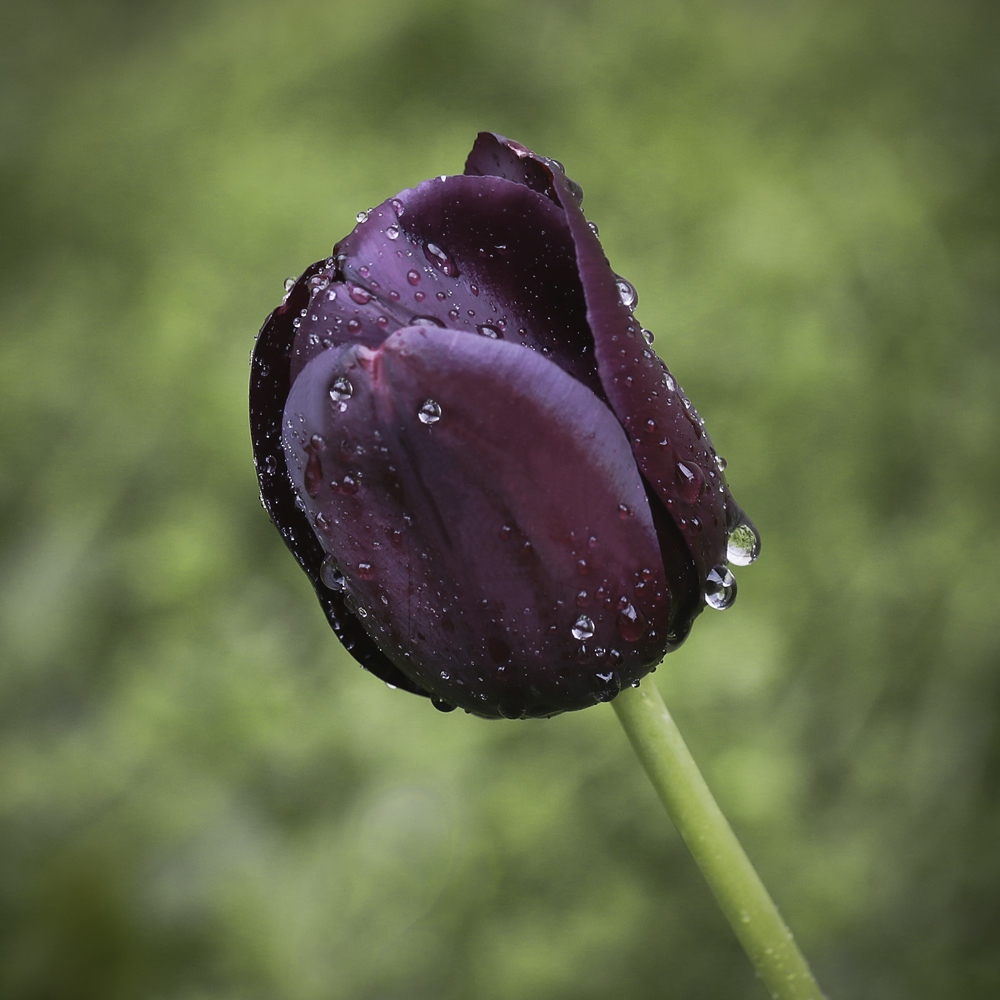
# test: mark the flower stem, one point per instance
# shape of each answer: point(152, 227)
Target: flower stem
point(734, 882)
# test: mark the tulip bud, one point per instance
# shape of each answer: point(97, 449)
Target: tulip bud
point(498, 490)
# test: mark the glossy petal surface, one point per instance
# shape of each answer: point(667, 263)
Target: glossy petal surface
point(486, 514)
point(668, 437)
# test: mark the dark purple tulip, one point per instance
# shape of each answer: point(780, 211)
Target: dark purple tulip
point(501, 496)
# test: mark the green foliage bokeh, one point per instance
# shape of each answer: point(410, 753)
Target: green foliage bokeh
point(201, 796)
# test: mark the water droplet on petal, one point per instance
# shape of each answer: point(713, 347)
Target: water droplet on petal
point(365, 570)
point(270, 465)
point(429, 412)
point(631, 623)
point(413, 277)
point(647, 335)
point(744, 544)
point(362, 216)
point(720, 588)
point(440, 260)
point(341, 389)
point(289, 284)
point(360, 295)
point(489, 331)
point(392, 232)
point(690, 481)
point(583, 628)
point(331, 576)
point(627, 293)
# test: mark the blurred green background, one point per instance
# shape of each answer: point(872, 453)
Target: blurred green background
point(202, 797)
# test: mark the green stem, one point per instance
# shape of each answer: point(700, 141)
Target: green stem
point(733, 880)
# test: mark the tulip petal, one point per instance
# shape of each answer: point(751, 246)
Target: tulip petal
point(486, 517)
point(479, 254)
point(668, 437)
point(270, 382)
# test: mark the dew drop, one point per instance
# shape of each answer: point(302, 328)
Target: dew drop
point(341, 389)
point(289, 284)
point(631, 623)
point(720, 463)
point(413, 277)
point(690, 481)
point(349, 485)
point(720, 588)
point(360, 295)
point(331, 576)
point(647, 335)
point(743, 546)
point(429, 412)
point(397, 207)
point(627, 293)
point(440, 260)
point(365, 570)
point(392, 232)
point(270, 465)
point(624, 511)
point(489, 331)
point(583, 628)
point(362, 216)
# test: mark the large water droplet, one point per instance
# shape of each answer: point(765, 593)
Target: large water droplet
point(440, 260)
point(313, 476)
point(341, 389)
point(289, 284)
point(413, 277)
point(429, 412)
point(331, 576)
point(631, 623)
point(392, 232)
point(360, 295)
point(720, 588)
point(362, 216)
point(690, 481)
point(489, 331)
point(744, 544)
point(627, 293)
point(583, 628)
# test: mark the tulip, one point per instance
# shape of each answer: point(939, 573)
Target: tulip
point(499, 492)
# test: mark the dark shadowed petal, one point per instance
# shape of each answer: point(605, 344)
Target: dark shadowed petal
point(668, 437)
point(485, 517)
point(270, 382)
